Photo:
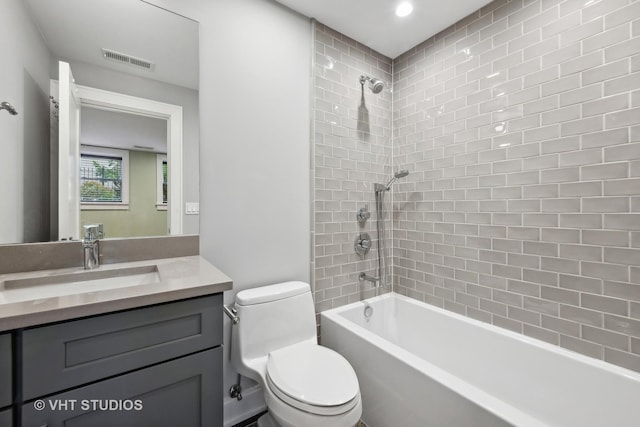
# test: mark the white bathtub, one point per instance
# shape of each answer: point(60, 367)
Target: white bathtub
point(419, 365)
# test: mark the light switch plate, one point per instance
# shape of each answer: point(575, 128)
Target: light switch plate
point(192, 208)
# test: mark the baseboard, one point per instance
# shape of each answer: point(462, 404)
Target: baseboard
point(252, 403)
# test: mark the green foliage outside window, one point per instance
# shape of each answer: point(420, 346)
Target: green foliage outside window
point(100, 179)
point(164, 182)
point(92, 190)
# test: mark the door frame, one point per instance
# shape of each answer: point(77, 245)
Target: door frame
point(113, 101)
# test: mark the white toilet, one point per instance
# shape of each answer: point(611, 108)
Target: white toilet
point(275, 344)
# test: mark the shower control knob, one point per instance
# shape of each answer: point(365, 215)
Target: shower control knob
point(362, 245)
point(363, 214)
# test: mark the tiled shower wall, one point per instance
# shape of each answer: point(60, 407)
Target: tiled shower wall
point(351, 146)
point(521, 127)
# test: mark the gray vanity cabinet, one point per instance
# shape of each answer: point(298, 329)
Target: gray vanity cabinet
point(183, 392)
point(152, 366)
point(6, 378)
point(6, 381)
point(65, 355)
point(5, 418)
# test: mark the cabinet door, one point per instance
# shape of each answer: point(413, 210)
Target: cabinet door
point(5, 418)
point(5, 370)
point(185, 392)
point(66, 355)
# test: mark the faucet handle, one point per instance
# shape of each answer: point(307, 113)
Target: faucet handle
point(363, 214)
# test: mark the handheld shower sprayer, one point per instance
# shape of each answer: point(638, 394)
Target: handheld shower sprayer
point(396, 176)
point(380, 190)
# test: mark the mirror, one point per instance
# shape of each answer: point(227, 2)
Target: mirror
point(161, 54)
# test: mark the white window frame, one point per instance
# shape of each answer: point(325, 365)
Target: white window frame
point(160, 159)
point(109, 152)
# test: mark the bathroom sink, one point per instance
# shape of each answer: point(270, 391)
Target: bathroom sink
point(56, 285)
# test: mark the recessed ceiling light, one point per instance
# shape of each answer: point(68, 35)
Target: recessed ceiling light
point(404, 9)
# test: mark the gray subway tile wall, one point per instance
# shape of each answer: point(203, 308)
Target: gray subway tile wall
point(351, 145)
point(521, 127)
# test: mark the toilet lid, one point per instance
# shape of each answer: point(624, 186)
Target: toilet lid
point(313, 378)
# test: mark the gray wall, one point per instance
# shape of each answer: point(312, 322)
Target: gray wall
point(24, 82)
point(254, 154)
point(102, 78)
point(520, 127)
point(352, 151)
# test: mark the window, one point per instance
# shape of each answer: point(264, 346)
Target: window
point(161, 181)
point(100, 179)
point(104, 178)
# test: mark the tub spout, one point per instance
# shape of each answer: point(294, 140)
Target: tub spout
point(372, 279)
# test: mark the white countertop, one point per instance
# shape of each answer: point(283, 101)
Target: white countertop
point(179, 278)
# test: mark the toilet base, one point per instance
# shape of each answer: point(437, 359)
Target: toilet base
point(267, 421)
point(284, 415)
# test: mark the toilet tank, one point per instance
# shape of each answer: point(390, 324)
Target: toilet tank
point(272, 317)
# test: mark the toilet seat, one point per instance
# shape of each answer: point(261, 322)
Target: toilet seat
point(313, 379)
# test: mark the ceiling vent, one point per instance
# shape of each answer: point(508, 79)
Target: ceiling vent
point(112, 55)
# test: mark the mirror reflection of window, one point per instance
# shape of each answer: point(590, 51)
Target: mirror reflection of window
point(104, 178)
point(100, 179)
point(162, 181)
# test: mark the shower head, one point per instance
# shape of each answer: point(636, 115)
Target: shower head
point(375, 85)
point(396, 176)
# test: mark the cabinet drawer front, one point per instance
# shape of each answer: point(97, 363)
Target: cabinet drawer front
point(184, 392)
point(65, 355)
point(5, 371)
point(6, 419)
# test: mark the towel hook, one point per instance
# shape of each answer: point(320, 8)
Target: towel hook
point(6, 106)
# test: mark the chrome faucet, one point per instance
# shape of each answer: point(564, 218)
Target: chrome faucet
point(90, 247)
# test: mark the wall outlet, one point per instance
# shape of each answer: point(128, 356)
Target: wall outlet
point(192, 208)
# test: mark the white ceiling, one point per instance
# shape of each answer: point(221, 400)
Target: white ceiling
point(115, 129)
point(77, 30)
point(375, 24)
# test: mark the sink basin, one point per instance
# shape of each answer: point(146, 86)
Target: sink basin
point(56, 285)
